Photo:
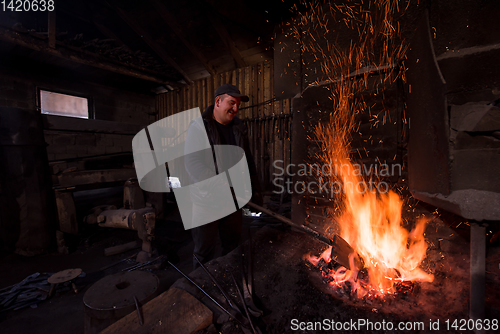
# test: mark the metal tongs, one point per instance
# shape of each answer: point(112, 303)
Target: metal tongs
point(232, 316)
point(233, 305)
point(229, 301)
point(247, 278)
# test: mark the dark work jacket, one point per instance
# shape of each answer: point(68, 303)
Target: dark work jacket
point(196, 165)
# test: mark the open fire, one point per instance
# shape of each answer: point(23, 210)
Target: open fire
point(370, 221)
point(371, 224)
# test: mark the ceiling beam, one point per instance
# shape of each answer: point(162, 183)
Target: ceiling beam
point(156, 47)
point(95, 20)
point(39, 43)
point(224, 34)
point(172, 22)
point(52, 29)
point(108, 33)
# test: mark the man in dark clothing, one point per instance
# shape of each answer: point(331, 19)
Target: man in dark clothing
point(222, 128)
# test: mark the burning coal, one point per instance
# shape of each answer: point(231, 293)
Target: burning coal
point(369, 221)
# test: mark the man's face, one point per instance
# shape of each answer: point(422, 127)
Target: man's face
point(226, 107)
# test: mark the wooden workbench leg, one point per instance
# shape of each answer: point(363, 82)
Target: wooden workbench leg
point(66, 212)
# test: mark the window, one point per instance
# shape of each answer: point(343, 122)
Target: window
point(52, 103)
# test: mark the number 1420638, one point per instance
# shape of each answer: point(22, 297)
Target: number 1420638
point(27, 5)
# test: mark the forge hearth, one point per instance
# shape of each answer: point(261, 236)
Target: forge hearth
point(288, 288)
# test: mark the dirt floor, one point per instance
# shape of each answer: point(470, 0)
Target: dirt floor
point(290, 292)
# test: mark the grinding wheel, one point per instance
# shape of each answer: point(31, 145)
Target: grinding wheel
point(113, 297)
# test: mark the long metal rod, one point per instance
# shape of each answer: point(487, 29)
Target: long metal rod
point(216, 283)
point(249, 282)
point(254, 310)
point(206, 294)
point(247, 293)
point(335, 242)
point(141, 322)
point(244, 305)
point(140, 265)
point(290, 222)
point(117, 263)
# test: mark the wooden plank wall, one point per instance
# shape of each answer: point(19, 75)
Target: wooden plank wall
point(268, 121)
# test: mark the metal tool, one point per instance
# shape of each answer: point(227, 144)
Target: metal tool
point(233, 306)
point(206, 294)
point(340, 248)
point(250, 263)
point(247, 270)
point(117, 263)
point(138, 311)
point(254, 310)
point(244, 305)
point(140, 265)
point(142, 220)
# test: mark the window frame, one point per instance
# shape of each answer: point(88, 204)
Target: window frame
point(90, 101)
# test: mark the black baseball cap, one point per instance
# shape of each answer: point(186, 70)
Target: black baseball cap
point(231, 90)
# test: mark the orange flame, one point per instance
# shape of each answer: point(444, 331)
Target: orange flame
point(370, 221)
point(371, 224)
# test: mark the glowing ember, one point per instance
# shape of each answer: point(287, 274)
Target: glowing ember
point(369, 221)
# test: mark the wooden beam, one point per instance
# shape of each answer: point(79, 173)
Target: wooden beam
point(172, 22)
point(107, 32)
point(138, 28)
point(224, 35)
point(92, 177)
point(39, 43)
point(175, 312)
point(52, 29)
point(96, 19)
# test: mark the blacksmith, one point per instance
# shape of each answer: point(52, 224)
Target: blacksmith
point(223, 128)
